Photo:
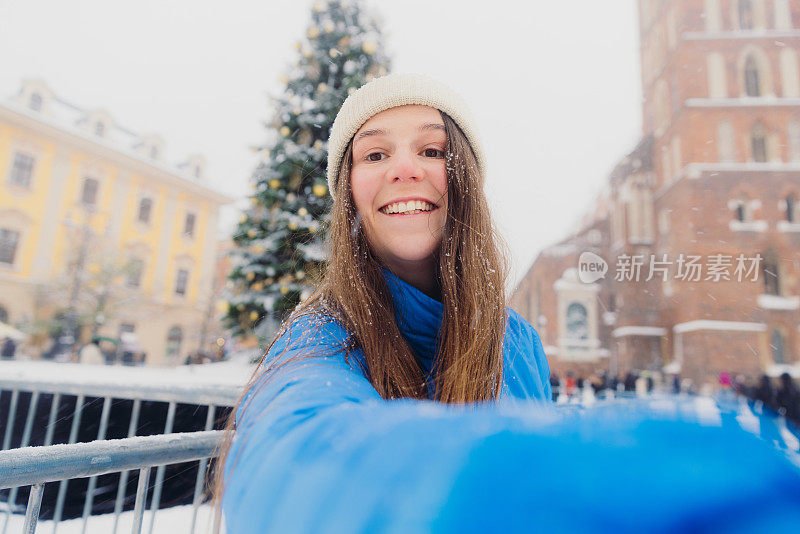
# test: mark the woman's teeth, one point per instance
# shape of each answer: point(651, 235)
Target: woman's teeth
point(408, 208)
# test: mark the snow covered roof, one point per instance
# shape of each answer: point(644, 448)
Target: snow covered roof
point(36, 100)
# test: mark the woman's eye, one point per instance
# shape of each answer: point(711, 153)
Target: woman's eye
point(433, 153)
point(375, 156)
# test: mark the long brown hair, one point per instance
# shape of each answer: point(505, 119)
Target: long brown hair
point(353, 291)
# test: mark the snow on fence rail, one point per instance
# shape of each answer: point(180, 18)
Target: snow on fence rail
point(35, 466)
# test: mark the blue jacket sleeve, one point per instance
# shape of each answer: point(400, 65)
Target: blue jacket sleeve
point(527, 373)
point(317, 450)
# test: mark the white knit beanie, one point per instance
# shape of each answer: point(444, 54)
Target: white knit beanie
point(392, 91)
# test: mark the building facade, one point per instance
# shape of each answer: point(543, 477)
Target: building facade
point(93, 219)
point(699, 226)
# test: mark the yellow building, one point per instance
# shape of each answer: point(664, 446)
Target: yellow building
point(93, 218)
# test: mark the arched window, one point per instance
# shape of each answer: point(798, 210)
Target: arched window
point(776, 344)
point(758, 143)
point(181, 281)
point(577, 322)
point(153, 152)
point(145, 207)
point(771, 272)
point(791, 208)
point(752, 80)
point(3, 315)
point(89, 191)
point(174, 341)
point(746, 15)
point(99, 129)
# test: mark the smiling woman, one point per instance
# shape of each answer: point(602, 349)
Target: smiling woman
point(386, 402)
point(412, 304)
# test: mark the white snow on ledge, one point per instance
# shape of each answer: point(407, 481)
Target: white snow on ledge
point(747, 226)
point(705, 324)
point(211, 374)
point(786, 226)
point(776, 302)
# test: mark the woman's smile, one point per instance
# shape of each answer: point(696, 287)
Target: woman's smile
point(408, 207)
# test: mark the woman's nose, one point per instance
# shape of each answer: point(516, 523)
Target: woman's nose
point(406, 167)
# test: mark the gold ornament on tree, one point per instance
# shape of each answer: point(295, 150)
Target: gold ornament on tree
point(274, 183)
point(319, 190)
point(295, 180)
point(304, 137)
point(369, 47)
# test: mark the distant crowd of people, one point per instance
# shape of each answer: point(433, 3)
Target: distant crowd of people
point(782, 398)
point(601, 383)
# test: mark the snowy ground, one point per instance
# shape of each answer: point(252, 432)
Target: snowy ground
point(175, 520)
point(229, 373)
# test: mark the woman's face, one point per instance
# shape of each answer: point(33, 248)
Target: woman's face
point(399, 185)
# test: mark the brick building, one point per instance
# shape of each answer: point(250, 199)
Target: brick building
point(700, 224)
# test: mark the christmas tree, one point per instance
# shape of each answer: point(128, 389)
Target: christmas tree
point(279, 254)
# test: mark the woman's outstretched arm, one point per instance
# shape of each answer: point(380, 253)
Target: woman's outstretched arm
point(317, 450)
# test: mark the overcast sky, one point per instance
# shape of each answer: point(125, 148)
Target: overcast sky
point(554, 85)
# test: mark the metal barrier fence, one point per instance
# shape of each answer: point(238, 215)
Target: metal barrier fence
point(35, 466)
point(212, 397)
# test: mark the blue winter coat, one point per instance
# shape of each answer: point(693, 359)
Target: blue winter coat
point(318, 450)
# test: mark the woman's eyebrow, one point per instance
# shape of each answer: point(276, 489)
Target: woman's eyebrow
point(431, 126)
point(367, 133)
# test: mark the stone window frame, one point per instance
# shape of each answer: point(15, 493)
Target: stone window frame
point(13, 179)
point(149, 219)
point(759, 144)
point(32, 148)
point(82, 199)
point(175, 338)
point(16, 221)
